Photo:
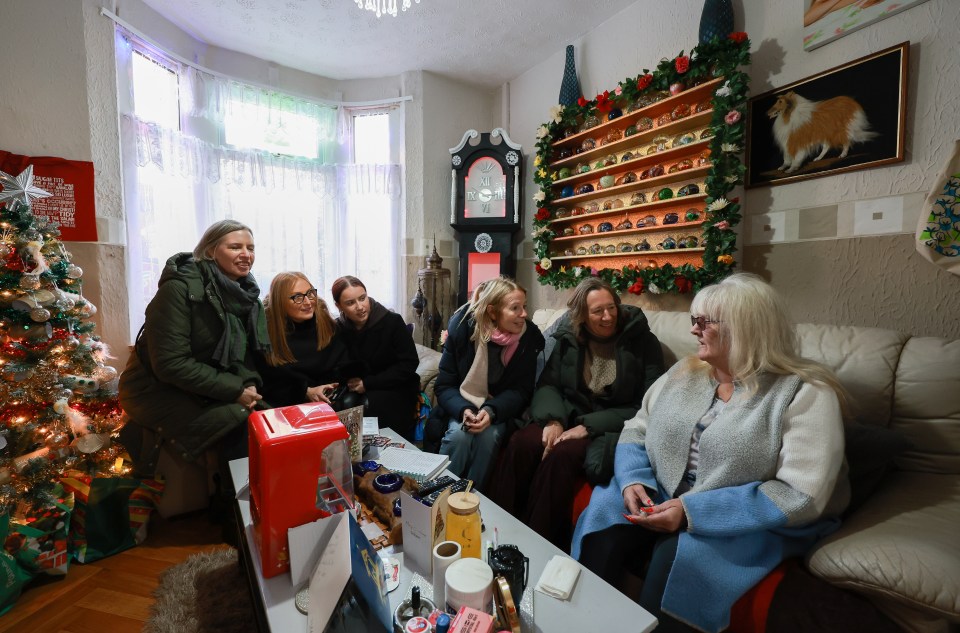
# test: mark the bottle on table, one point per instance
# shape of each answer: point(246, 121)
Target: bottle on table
point(463, 523)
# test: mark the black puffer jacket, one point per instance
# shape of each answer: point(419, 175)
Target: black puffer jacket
point(509, 396)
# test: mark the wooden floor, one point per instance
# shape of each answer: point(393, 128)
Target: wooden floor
point(113, 594)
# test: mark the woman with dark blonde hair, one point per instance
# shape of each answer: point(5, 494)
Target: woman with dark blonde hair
point(384, 357)
point(305, 349)
point(604, 359)
point(192, 381)
point(733, 463)
point(486, 378)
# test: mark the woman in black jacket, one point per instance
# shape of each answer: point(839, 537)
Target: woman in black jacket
point(306, 350)
point(385, 355)
point(486, 379)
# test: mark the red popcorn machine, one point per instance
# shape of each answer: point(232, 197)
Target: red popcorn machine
point(300, 471)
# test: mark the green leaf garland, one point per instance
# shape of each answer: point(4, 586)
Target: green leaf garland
point(717, 58)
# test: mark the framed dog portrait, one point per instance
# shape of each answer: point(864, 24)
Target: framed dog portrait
point(846, 118)
point(827, 20)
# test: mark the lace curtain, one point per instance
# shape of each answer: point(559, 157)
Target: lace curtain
point(314, 216)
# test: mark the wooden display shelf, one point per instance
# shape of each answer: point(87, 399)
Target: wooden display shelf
point(643, 139)
point(645, 208)
point(666, 157)
point(697, 174)
point(634, 231)
point(674, 253)
point(693, 96)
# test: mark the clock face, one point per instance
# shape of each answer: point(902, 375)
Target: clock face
point(485, 190)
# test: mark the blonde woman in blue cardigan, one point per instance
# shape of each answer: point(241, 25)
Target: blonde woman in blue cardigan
point(733, 463)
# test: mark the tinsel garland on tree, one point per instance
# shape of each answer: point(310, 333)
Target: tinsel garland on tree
point(59, 396)
point(717, 58)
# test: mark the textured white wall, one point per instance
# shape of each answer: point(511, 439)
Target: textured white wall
point(874, 281)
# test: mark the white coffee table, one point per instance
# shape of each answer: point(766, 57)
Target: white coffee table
point(594, 605)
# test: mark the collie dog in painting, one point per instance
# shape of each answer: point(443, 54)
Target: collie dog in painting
point(802, 127)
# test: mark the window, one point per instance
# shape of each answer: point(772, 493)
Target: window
point(281, 131)
point(263, 158)
point(156, 92)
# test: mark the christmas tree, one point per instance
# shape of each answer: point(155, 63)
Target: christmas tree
point(59, 398)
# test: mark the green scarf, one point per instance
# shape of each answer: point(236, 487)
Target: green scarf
point(243, 319)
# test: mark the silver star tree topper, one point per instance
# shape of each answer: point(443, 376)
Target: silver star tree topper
point(20, 187)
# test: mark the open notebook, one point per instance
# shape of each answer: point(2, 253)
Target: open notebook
point(417, 464)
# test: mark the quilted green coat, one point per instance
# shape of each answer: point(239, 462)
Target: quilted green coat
point(171, 385)
point(563, 395)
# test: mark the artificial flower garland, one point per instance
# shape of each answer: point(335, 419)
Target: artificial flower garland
point(717, 58)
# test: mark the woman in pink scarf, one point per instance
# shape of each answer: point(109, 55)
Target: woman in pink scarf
point(486, 378)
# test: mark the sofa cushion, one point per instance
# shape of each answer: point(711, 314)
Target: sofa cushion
point(864, 359)
point(428, 368)
point(927, 405)
point(900, 545)
point(870, 451)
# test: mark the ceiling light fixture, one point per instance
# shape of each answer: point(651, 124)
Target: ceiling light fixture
point(385, 7)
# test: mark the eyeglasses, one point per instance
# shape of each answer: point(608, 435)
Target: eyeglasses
point(300, 296)
point(701, 321)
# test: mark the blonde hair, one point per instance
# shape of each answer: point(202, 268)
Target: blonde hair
point(577, 304)
point(490, 295)
point(214, 234)
point(753, 323)
point(278, 325)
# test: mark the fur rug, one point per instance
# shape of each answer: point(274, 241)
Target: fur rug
point(206, 593)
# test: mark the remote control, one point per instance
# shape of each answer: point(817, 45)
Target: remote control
point(457, 486)
point(434, 485)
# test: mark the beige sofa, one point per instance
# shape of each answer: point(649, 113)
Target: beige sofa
point(896, 548)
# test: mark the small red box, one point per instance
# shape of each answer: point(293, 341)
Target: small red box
point(294, 453)
point(472, 621)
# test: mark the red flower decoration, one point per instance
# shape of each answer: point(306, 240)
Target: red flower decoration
point(603, 102)
point(542, 214)
point(581, 102)
point(644, 81)
point(636, 288)
point(682, 64)
point(683, 284)
point(540, 270)
point(739, 37)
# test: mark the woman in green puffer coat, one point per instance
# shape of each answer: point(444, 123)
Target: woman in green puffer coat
point(190, 383)
point(604, 359)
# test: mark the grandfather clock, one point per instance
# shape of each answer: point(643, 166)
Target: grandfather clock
point(485, 206)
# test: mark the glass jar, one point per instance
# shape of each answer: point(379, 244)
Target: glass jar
point(463, 523)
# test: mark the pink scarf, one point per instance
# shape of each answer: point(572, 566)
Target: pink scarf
point(509, 343)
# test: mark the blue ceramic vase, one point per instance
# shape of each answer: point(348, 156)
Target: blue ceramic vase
point(716, 20)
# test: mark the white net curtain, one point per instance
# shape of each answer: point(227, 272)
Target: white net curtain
point(306, 211)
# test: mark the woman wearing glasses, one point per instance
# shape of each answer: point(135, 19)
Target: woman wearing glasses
point(733, 463)
point(604, 359)
point(384, 356)
point(305, 348)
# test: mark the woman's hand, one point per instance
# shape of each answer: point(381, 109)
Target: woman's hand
point(249, 397)
point(548, 438)
point(356, 384)
point(321, 393)
point(636, 497)
point(476, 422)
point(576, 433)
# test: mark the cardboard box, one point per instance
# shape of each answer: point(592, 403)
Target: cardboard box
point(472, 621)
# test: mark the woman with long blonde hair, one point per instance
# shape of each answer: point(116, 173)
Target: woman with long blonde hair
point(305, 349)
point(486, 378)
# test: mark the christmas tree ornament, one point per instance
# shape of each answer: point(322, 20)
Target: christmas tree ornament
point(30, 282)
point(74, 271)
point(40, 315)
point(5, 250)
point(20, 187)
point(91, 442)
point(57, 439)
